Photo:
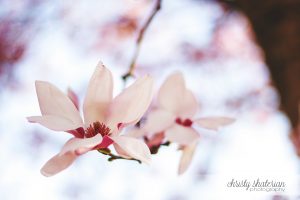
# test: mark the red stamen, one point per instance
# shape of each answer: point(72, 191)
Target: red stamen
point(96, 128)
point(178, 121)
point(90, 132)
point(186, 122)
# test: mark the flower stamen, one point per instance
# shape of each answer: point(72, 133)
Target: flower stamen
point(186, 122)
point(97, 128)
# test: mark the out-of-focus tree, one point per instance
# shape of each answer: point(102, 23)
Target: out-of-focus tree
point(277, 28)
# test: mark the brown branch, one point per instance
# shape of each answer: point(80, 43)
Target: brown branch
point(141, 33)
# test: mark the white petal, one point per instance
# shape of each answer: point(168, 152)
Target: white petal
point(182, 135)
point(58, 163)
point(54, 102)
point(98, 96)
point(73, 97)
point(135, 133)
point(189, 105)
point(171, 92)
point(158, 120)
point(120, 151)
point(214, 122)
point(186, 157)
point(133, 147)
point(55, 123)
point(129, 106)
point(80, 146)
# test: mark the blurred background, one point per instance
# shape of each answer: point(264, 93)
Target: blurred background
point(211, 42)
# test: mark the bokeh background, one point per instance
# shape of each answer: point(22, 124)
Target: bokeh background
point(214, 46)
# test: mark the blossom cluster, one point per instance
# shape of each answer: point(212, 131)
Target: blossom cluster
point(171, 119)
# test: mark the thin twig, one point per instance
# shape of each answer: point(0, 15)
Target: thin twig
point(115, 157)
point(141, 33)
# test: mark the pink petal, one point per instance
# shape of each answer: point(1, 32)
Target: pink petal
point(55, 103)
point(132, 147)
point(105, 142)
point(158, 120)
point(186, 157)
point(80, 146)
point(79, 132)
point(58, 163)
point(214, 122)
point(120, 151)
point(73, 97)
point(171, 92)
point(155, 140)
point(55, 123)
point(129, 106)
point(98, 96)
point(135, 133)
point(189, 105)
point(182, 135)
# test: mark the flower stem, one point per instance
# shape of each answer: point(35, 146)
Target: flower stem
point(141, 33)
point(115, 157)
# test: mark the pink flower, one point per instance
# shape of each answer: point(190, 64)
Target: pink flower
point(104, 117)
point(175, 115)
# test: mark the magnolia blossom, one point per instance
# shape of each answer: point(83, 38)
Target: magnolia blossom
point(104, 117)
point(173, 117)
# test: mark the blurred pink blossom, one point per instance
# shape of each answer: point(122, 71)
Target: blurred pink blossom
point(173, 117)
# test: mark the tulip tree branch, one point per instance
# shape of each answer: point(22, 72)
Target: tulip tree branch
point(141, 33)
point(115, 157)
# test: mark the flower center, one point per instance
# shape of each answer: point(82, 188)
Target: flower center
point(95, 128)
point(187, 122)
